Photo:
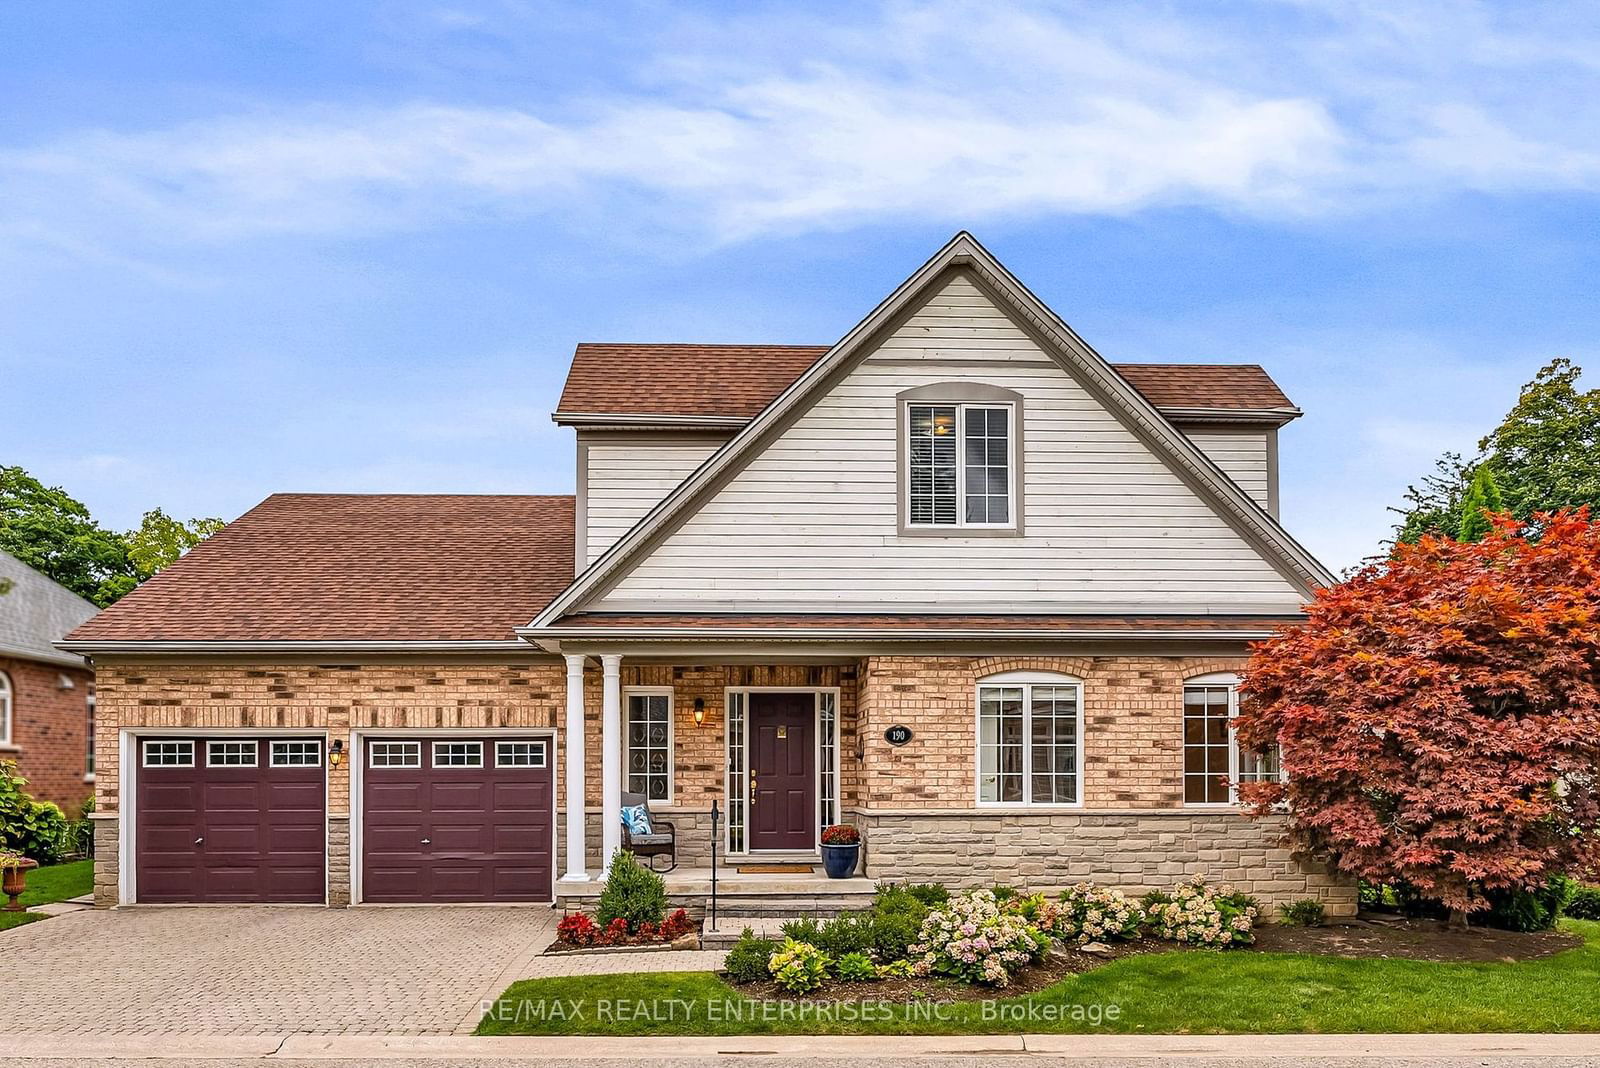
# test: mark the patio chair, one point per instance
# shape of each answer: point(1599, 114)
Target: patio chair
point(661, 842)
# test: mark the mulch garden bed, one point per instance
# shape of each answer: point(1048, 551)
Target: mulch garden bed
point(1400, 938)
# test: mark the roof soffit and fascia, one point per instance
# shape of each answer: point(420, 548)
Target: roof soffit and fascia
point(1056, 338)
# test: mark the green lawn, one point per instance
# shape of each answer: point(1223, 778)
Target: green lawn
point(58, 882)
point(1190, 992)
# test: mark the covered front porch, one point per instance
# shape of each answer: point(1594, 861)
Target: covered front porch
point(771, 748)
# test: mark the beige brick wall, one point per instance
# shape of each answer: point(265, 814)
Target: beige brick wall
point(1133, 759)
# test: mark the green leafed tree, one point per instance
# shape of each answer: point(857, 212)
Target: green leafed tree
point(54, 533)
point(160, 540)
point(1544, 456)
point(1483, 497)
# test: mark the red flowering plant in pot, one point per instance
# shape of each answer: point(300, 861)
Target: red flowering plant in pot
point(841, 848)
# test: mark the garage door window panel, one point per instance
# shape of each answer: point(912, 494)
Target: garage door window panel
point(519, 755)
point(232, 754)
point(169, 754)
point(395, 755)
point(458, 754)
point(297, 754)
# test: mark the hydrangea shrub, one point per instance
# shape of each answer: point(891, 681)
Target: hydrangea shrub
point(1202, 915)
point(1089, 913)
point(972, 940)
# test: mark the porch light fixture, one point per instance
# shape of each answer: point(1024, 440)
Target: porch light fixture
point(699, 711)
point(336, 753)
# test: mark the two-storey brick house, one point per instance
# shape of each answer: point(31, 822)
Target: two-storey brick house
point(954, 579)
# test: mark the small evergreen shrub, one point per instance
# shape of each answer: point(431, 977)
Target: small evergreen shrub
point(798, 967)
point(1585, 903)
point(893, 934)
point(1528, 910)
point(1307, 912)
point(849, 933)
point(632, 893)
point(855, 968)
point(806, 929)
point(900, 900)
point(1003, 893)
point(747, 960)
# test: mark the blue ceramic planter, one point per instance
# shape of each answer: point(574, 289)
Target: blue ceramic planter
point(839, 861)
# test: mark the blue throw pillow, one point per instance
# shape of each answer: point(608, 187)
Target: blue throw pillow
point(636, 818)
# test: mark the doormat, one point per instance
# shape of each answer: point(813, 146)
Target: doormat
point(774, 869)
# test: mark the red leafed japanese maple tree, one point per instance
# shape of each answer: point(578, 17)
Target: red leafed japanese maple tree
point(1438, 714)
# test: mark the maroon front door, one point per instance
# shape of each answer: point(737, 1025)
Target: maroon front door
point(229, 819)
point(783, 771)
point(454, 819)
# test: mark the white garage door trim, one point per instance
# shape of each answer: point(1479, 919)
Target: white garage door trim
point(357, 766)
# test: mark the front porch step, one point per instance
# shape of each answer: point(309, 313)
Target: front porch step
point(753, 897)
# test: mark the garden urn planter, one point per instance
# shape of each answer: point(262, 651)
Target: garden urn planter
point(15, 881)
point(839, 861)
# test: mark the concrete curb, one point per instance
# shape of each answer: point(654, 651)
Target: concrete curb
point(1099, 1047)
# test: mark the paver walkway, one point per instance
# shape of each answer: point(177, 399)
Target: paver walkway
point(408, 971)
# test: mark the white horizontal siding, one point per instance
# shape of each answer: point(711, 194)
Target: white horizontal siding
point(1241, 453)
point(812, 522)
point(626, 474)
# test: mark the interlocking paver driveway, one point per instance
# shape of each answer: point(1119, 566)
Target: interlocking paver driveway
point(262, 970)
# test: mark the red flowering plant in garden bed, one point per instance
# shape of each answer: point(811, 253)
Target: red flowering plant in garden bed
point(841, 834)
point(578, 930)
point(1438, 714)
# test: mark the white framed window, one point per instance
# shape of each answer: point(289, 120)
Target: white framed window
point(519, 754)
point(222, 754)
point(1213, 763)
point(1030, 740)
point(647, 755)
point(394, 755)
point(960, 465)
point(169, 754)
point(5, 708)
point(458, 754)
point(296, 753)
point(88, 745)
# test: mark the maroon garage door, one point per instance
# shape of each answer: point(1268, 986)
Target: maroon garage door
point(457, 819)
point(230, 819)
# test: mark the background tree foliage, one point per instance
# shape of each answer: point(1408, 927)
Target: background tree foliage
point(1544, 456)
point(1438, 715)
point(53, 533)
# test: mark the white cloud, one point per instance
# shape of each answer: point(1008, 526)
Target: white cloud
point(954, 112)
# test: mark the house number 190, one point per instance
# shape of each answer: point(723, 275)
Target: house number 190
point(897, 735)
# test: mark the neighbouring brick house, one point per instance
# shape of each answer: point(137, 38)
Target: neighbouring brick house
point(954, 579)
point(46, 695)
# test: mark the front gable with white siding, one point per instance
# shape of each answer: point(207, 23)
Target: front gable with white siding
point(1099, 519)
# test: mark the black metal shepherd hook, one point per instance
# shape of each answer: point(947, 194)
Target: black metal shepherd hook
point(715, 815)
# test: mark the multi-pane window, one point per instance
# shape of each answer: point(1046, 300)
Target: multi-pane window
point(649, 752)
point(959, 465)
point(231, 754)
point(299, 753)
point(5, 708)
point(395, 755)
point(1212, 760)
point(169, 754)
point(519, 754)
point(1030, 742)
point(458, 754)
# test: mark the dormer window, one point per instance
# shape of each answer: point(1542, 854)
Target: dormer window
point(959, 458)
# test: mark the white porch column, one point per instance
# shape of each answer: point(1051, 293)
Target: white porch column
point(610, 757)
point(577, 868)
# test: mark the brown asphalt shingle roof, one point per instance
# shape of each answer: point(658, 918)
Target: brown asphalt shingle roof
point(358, 567)
point(737, 381)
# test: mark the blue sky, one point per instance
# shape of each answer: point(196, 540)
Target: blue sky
point(307, 246)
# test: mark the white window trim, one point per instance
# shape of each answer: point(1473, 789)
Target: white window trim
point(961, 464)
point(274, 743)
point(1027, 680)
point(410, 747)
point(1231, 681)
point(433, 754)
point(628, 693)
point(543, 751)
point(144, 752)
point(255, 757)
point(7, 707)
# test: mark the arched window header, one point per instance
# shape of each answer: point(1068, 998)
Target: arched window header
point(1019, 677)
point(1216, 678)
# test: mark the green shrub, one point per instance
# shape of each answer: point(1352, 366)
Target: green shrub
point(632, 893)
point(1307, 912)
point(893, 935)
point(798, 967)
point(930, 894)
point(1003, 893)
point(1585, 903)
point(805, 930)
point(899, 901)
point(896, 969)
point(850, 933)
point(855, 968)
point(1528, 910)
point(39, 830)
point(747, 960)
